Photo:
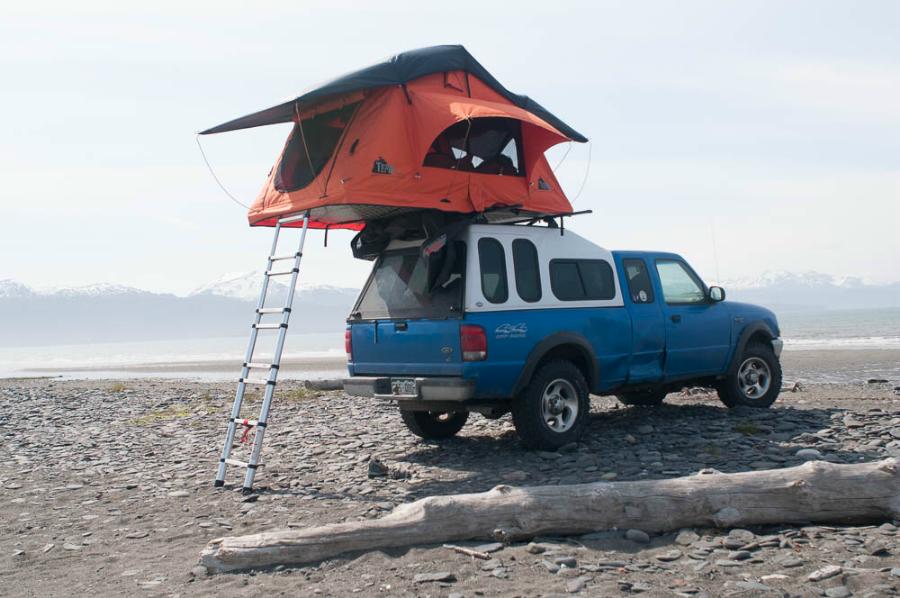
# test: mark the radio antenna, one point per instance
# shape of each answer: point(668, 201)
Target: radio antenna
point(712, 234)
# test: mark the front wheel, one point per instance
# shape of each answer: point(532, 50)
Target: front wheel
point(434, 424)
point(553, 409)
point(757, 380)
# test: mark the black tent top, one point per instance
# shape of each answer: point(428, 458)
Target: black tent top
point(398, 70)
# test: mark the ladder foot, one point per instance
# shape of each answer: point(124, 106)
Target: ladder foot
point(219, 483)
point(245, 491)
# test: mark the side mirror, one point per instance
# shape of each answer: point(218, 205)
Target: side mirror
point(716, 294)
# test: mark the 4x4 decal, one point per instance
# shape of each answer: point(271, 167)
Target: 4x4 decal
point(511, 330)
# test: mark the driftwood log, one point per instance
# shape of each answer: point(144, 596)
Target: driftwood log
point(813, 492)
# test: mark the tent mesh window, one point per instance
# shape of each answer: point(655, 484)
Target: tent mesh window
point(488, 145)
point(321, 133)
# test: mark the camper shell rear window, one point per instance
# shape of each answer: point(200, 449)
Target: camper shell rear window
point(406, 284)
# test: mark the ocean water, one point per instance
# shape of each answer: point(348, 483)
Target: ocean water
point(840, 329)
point(873, 335)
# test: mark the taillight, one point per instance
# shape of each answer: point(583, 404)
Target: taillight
point(348, 344)
point(472, 342)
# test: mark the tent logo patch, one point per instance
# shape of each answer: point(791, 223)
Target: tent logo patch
point(382, 167)
point(542, 185)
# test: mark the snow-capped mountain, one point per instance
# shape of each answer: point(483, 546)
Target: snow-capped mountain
point(246, 286)
point(801, 279)
point(812, 290)
point(10, 289)
point(102, 289)
point(110, 312)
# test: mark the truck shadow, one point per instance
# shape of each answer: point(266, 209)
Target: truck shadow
point(638, 443)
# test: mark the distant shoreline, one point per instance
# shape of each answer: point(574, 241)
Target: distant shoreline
point(806, 364)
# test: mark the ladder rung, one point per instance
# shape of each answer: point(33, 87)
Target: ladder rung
point(291, 256)
point(270, 326)
point(273, 310)
point(289, 219)
point(247, 422)
point(260, 366)
point(288, 273)
point(260, 381)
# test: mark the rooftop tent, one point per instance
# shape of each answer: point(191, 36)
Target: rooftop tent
point(427, 129)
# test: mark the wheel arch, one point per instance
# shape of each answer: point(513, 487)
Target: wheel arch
point(753, 332)
point(567, 346)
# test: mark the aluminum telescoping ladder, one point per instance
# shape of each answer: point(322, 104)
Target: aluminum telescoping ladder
point(259, 425)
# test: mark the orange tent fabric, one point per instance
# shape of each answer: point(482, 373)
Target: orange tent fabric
point(390, 149)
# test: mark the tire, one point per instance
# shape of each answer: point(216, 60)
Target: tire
point(434, 424)
point(647, 398)
point(757, 380)
point(553, 409)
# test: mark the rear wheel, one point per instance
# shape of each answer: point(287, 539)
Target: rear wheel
point(553, 409)
point(649, 398)
point(757, 380)
point(434, 424)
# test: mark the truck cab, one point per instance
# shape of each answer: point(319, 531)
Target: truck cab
point(532, 320)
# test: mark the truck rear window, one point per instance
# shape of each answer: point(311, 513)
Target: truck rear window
point(404, 284)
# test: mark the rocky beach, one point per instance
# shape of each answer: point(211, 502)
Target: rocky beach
point(106, 488)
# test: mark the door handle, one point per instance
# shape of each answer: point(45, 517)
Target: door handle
point(676, 318)
point(400, 325)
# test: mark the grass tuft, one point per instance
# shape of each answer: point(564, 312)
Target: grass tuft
point(117, 387)
point(747, 428)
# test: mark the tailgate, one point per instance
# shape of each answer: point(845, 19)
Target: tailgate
point(406, 347)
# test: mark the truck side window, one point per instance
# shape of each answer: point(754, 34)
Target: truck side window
point(639, 286)
point(678, 284)
point(492, 260)
point(525, 264)
point(582, 280)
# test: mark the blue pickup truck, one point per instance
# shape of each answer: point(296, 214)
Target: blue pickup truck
point(533, 319)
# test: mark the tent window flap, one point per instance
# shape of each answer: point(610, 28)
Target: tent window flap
point(488, 145)
point(321, 134)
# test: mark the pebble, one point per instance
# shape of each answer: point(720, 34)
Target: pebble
point(740, 555)
point(826, 572)
point(137, 535)
point(686, 537)
point(565, 561)
point(444, 576)
point(491, 547)
point(576, 585)
point(669, 555)
point(636, 535)
point(179, 494)
point(70, 546)
point(808, 454)
point(838, 592)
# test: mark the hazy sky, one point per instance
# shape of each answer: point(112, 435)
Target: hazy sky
point(771, 127)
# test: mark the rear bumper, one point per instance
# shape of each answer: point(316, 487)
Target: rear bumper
point(427, 389)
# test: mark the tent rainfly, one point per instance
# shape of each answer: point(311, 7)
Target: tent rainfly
point(427, 129)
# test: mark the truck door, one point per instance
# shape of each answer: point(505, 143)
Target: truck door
point(648, 335)
point(698, 331)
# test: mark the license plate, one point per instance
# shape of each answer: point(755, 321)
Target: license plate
point(403, 386)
